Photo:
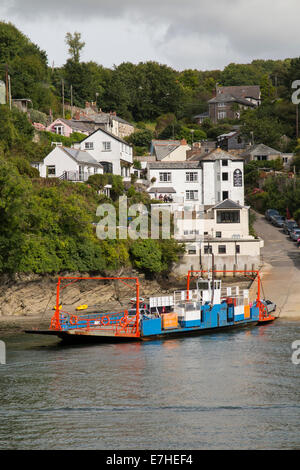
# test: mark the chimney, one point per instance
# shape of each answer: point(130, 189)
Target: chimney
point(77, 116)
point(87, 104)
point(183, 142)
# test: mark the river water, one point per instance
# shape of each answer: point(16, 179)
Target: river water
point(233, 390)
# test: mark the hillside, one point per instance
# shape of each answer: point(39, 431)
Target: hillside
point(49, 227)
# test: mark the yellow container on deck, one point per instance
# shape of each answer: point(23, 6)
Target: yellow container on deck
point(169, 320)
point(247, 311)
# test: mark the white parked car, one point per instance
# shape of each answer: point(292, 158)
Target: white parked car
point(295, 234)
point(271, 307)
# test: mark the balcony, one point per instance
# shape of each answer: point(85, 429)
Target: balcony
point(75, 176)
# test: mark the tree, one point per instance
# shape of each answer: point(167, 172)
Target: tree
point(147, 256)
point(75, 45)
point(266, 129)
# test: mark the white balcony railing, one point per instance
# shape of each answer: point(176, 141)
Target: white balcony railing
point(75, 176)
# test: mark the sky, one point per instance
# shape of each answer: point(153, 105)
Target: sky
point(197, 34)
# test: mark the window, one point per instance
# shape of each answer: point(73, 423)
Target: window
point(191, 195)
point(107, 167)
point(59, 130)
point(237, 249)
point(222, 250)
point(225, 177)
point(191, 177)
point(221, 105)
point(222, 114)
point(50, 170)
point(218, 234)
point(89, 145)
point(228, 217)
point(224, 162)
point(261, 158)
point(165, 177)
point(225, 195)
point(208, 250)
point(192, 250)
point(106, 146)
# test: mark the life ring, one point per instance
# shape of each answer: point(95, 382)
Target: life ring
point(105, 321)
point(73, 320)
point(123, 322)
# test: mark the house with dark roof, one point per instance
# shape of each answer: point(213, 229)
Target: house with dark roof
point(230, 101)
point(204, 179)
point(206, 196)
point(248, 92)
point(69, 164)
point(88, 123)
point(113, 153)
point(260, 152)
point(109, 122)
point(66, 127)
point(232, 141)
point(227, 107)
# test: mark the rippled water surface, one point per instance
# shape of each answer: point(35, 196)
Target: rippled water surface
point(235, 390)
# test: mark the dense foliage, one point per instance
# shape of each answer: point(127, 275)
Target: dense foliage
point(50, 226)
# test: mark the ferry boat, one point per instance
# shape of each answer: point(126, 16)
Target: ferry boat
point(209, 307)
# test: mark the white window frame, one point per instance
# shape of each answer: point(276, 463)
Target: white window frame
point(165, 177)
point(190, 195)
point(191, 177)
point(106, 146)
point(222, 114)
point(61, 128)
point(89, 145)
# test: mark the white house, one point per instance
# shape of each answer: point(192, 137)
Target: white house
point(217, 237)
point(69, 164)
point(113, 153)
point(206, 180)
point(206, 197)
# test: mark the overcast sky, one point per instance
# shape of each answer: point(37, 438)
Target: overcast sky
point(200, 34)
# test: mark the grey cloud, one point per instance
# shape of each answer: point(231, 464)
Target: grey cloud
point(240, 29)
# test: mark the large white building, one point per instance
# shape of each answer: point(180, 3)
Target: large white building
point(206, 197)
point(209, 180)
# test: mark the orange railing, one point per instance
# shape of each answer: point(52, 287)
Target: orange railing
point(128, 325)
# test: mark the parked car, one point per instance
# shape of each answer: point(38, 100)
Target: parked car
point(277, 220)
point(291, 228)
point(270, 212)
point(295, 234)
point(271, 306)
point(289, 225)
